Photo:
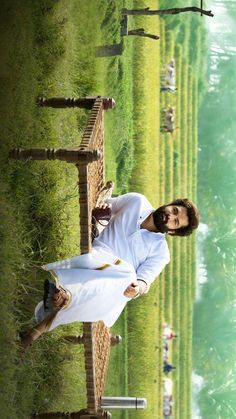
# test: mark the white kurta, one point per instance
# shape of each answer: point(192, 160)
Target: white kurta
point(121, 254)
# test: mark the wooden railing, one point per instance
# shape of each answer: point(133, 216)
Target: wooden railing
point(89, 159)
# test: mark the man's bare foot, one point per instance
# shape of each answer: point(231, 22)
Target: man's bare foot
point(27, 338)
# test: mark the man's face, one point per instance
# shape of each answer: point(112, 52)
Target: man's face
point(169, 218)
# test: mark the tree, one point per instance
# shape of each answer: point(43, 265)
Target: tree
point(172, 11)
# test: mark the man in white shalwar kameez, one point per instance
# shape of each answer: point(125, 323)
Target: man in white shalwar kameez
point(126, 258)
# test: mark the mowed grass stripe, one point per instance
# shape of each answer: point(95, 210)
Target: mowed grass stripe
point(178, 113)
point(146, 65)
point(183, 319)
point(145, 350)
point(190, 135)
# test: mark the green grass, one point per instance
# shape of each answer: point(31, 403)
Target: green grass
point(146, 100)
point(39, 201)
point(118, 84)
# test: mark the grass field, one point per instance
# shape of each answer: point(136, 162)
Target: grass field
point(46, 52)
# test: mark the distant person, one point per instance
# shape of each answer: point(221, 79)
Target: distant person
point(168, 332)
point(170, 66)
point(126, 258)
point(168, 122)
point(168, 367)
point(168, 89)
point(169, 69)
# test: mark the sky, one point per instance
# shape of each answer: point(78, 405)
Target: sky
point(214, 355)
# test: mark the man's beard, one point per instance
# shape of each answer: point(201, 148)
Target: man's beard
point(160, 219)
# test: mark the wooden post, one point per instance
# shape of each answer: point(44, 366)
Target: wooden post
point(82, 414)
point(72, 102)
point(56, 415)
point(69, 155)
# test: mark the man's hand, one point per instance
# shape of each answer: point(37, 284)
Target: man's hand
point(132, 290)
point(135, 288)
point(104, 205)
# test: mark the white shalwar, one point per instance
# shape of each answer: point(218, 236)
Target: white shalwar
point(121, 254)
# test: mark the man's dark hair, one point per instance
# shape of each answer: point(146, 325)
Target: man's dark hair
point(193, 217)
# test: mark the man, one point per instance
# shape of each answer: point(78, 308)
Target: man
point(133, 220)
point(126, 258)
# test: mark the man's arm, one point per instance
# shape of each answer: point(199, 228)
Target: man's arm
point(154, 264)
point(149, 270)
